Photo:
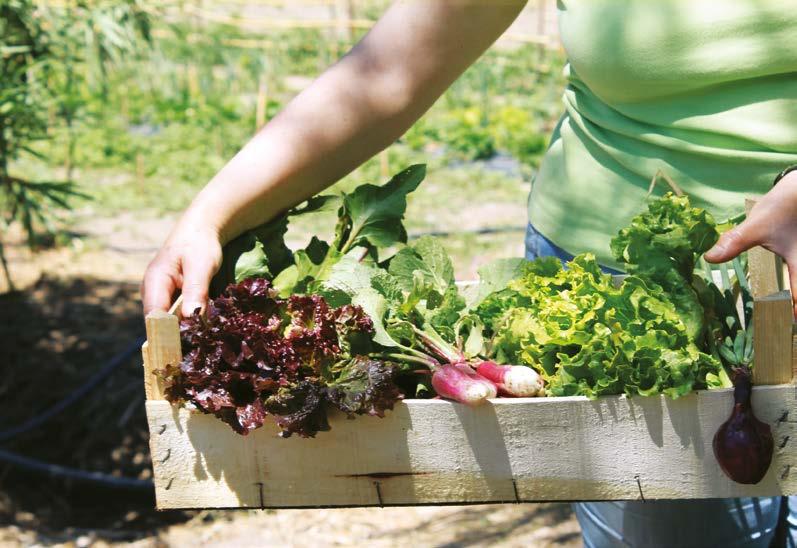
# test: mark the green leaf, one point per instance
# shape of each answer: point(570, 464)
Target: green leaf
point(728, 355)
point(312, 266)
point(374, 213)
point(425, 257)
point(252, 263)
point(588, 337)
point(375, 305)
point(323, 202)
point(738, 346)
point(350, 276)
point(495, 276)
point(271, 236)
point(469, 332)
point(286, 281)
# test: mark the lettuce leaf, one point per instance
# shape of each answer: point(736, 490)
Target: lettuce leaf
point(662, 245)
point(588, 337)
point(256, 355)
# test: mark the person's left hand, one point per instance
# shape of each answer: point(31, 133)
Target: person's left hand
point(772, 223)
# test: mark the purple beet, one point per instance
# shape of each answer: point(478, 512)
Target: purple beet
point(743, 444)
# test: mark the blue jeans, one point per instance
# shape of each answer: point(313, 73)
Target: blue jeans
point(748, 522)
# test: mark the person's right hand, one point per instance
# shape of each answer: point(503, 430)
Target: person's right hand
point(187, 260)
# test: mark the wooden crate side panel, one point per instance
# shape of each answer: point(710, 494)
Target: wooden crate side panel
point(433, 451)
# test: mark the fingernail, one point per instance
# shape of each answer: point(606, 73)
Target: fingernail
point(718, 249)
point(192, 306)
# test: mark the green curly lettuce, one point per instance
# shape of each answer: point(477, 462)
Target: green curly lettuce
point(662, 245)
point(589, 336)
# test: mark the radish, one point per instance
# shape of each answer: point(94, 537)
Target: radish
point(514, 380)
point(459, 382)
point(453, 377)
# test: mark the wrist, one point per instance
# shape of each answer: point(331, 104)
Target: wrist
point(201, 221)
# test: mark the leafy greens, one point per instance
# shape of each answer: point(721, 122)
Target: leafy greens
point(344, 324)
point(256, 355)
point(590, 337)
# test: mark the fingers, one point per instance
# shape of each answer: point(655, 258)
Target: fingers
point(740, 238)
point(158, 287)
point(198, 269)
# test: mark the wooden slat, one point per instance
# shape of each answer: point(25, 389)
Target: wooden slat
point(762, 267)
point(161, 349)
point(772, 343)
point(437, 452)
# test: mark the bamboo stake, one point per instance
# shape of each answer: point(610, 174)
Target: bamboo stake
point(384, 164)
point(192, 76)
point(140, 179)
point(262, 103)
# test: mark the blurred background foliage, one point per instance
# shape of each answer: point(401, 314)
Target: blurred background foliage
point(135, 104)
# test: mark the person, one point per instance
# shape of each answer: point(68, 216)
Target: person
point(705, 91)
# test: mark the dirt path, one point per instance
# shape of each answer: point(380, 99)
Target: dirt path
point(495, 525)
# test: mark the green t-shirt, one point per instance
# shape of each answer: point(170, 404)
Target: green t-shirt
point(703, 90)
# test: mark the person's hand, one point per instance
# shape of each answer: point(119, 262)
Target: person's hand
point(188, 260)
point(772, 223)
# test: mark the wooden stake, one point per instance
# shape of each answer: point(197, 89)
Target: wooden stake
point(262, 103)
point(140, 171)
point(384, 164)
point(193, 82)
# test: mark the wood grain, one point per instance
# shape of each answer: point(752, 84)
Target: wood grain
point(772, 342)
point(161, 349)
point(438, 452)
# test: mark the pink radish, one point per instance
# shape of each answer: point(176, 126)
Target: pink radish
point(514, 380)
point(459, 382)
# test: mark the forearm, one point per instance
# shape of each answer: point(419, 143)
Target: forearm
point(326, 132)
point(356, 108)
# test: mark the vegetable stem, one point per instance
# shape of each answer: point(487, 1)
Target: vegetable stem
point(430, 363)
point(432, 340)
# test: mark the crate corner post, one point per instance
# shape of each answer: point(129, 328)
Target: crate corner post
point(161, 348)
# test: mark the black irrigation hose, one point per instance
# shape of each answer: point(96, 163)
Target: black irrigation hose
point(81, 391)
point(486, 230)
point(56, 471)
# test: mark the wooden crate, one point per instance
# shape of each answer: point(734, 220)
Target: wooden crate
point(510, 450)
